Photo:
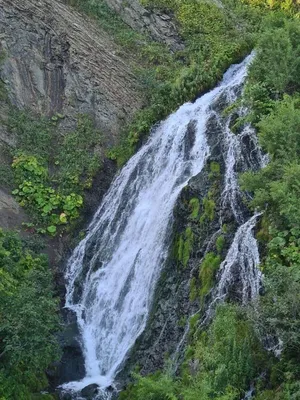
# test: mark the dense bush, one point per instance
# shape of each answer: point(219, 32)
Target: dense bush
point(28, 319)
point(277, 186)
point(273, 94)
point(288, 6)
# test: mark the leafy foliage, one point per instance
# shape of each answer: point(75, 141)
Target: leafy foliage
point(228, 356)
point(208, 268)
point(289, 6)
point(275, 69)
point(272, 93)
point(28, 319)
point(35, 193)
point(276, 187)
point(51, 178)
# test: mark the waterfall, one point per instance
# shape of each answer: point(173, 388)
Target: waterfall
point(243, 253)
point(112, 273)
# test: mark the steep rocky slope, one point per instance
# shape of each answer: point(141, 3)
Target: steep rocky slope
point(158, 25)
point(57, 60)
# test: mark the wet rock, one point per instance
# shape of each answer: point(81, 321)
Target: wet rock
point(71, 367)
point(90, 391)
point(65, 396)
point(190, 137)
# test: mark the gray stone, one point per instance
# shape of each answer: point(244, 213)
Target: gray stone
point(158, 25)
point(11, 214)
point(90, 391)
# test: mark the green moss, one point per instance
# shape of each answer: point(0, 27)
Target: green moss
point(183, 246)
point(187, 246)
point(224, 228)
point(180, 248)
point(194, 322)
point(220, 242)
point(215, 170)
point(208, 209)
point(194, 206)
point(193, 289)
point(208, 268)
point(263, 235)
point(182, 322)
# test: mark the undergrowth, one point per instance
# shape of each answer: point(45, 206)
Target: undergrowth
point(51, 171)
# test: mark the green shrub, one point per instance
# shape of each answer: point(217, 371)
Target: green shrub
point(193, 289)
point(207, 271)
point(194, 205)
point(220, 243)
point(28, 319)
point(77, 160)
point(51, 171)
point(158, 386)
point(276, 187)
point(209, 206)
point(185, 246)
point(288, 6)
point(227, 358)
point(35, 193)
point(275, 68)
point(34, 134)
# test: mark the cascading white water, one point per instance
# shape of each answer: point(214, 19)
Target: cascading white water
point(112, 274)
point(244, 254)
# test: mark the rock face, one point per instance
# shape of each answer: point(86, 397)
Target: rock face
point(89, 392)
point(157, 24)
point(11, 214)
point(59, 61)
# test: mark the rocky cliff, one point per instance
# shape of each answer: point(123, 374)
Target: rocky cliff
point(59, 61)
point(158, 25)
